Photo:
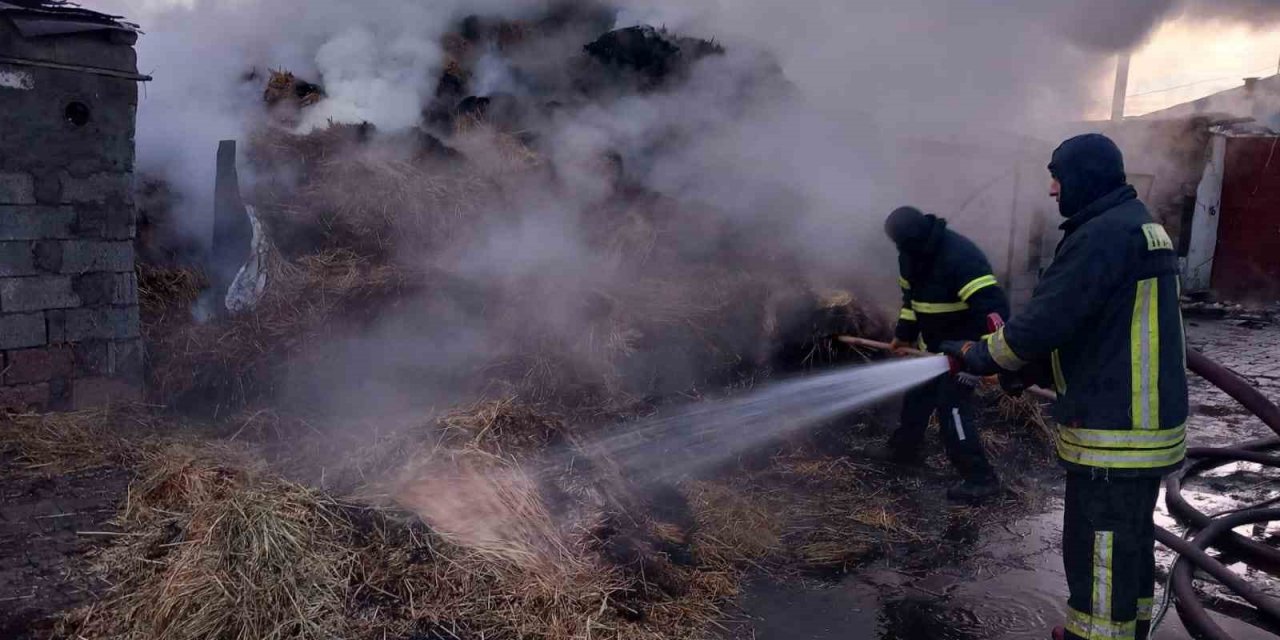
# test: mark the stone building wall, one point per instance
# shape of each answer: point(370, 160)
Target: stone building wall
point(69, 327)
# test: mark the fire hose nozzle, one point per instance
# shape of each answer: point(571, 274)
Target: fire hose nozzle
point(994, 322)
point(955, 350)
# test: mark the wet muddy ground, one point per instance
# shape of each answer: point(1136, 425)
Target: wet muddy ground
point(1004, 580)
point(48, 525)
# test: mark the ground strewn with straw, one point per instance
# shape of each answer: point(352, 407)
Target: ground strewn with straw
point(482, 528)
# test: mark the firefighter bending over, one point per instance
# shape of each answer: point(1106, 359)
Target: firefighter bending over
point(948, 293)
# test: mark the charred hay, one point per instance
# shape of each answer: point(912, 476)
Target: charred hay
point(282, 85)
point(653, 55)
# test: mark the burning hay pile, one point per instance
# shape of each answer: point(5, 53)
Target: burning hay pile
point(578, 294)
point(366, 224)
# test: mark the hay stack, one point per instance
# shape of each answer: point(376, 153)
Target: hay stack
point(235, 361)
point(358, 196)
point(362, 223)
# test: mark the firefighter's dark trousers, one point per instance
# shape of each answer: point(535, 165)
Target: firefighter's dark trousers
point(954, 403)
point(1108, 550)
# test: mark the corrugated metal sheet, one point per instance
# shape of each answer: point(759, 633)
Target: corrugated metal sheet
point(1246, 263)
point(37, 18)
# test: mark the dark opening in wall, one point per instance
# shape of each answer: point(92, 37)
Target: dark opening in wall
point(77, 113)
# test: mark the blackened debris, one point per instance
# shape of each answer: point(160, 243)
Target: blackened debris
point(474, 106)
point(453, 82)
point(284, 86)
point(502, 110)
point(649, 51)
point(431, 147)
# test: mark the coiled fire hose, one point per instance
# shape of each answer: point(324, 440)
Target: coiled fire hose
point(1205, 530)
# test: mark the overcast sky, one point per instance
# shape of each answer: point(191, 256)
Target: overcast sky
point(1189, 59)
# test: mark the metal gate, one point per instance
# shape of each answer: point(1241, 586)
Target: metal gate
point(1246, 264)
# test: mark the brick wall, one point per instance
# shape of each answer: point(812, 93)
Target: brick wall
point(69, 328)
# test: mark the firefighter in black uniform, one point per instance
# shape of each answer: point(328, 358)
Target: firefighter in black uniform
point(948, 293)
point(1105, 328)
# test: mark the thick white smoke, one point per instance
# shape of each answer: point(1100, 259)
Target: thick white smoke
point(920, 63)
point(808, 173)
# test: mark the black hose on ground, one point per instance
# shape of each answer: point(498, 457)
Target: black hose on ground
point(1217, 531)
point(1189, 608)
point(1196, 555)
point(1236, 387)
point(1255, 553)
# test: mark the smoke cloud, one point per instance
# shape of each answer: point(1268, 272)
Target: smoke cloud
point(792, 143)
point(919, 63)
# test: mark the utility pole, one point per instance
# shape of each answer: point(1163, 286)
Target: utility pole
point(1122, 87)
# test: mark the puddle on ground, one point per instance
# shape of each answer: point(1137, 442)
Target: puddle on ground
point(1007, 585)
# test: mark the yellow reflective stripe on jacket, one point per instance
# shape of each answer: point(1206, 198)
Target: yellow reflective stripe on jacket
point(907, 314)
point(1002, 353)
point(1059, 380)
point(1144, 357)
point(1089, 627)
point(1127, 439)
point(939, 307)
point(902, 282)
point(1120, 459)
point(976, 285)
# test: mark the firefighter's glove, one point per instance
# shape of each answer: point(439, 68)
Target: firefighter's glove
point(1013, 384)
point(960, 354)
point(898, 347)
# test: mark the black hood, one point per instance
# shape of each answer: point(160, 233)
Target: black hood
point(913, 231)
point(1087, 168)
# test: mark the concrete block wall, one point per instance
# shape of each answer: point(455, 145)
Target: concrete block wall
point(69, 326)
